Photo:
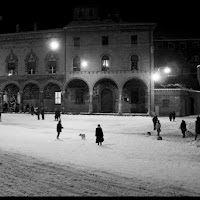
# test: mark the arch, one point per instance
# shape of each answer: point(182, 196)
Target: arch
point(135, 94)
point(10, 98)
point(105, 90)
point(77, 95)
point(52, 81)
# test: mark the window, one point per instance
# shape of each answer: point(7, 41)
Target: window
point(171, 45)
point(31, 63)
point(104, 40)
point(76, 64)
point(134, 62)
point(105, 65)
point(133, 39)
point(165, 103)
point(77, 41)
point(31, 66)
point(195, 45)
point(79, 97)
point(182, 45)
point(57, 97)
point(51, 63)
point(11, 62)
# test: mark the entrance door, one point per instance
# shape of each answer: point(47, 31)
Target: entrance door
point(106, 101)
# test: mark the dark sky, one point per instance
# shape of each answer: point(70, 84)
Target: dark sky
point(170, 16)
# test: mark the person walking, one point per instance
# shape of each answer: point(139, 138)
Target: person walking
point(59, 128)
point(32, 110)
point(174, 115)
point(99, 135)
point(42, 113)
point(158, 128)
point(38, 113)
point(170, 116)
point(197, 127)
point(155, 119)
point(183, 128)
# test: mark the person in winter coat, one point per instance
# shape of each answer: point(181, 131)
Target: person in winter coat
point(158, 127)
point(174, 115)
point(42, 113)
point(170, 116)
point(99, 135)
point(197, 127)
point(183, 128)
point(32, 110)
point(155, 119)
point(59, 128)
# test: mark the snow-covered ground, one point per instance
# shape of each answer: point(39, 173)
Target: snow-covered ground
point(129, 163)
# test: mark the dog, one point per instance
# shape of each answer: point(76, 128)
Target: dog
point(82, 136)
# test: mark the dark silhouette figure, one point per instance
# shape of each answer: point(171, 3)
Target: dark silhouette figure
point(158, 127)
point(32, 110)
point(57, 115)
point(155, 119)
point(197, 127)
point(42, 113)
point(173, 115)
point(183, 128)
point(99, 135)
point(170, 116)
point(38, 113)
point(59, 128)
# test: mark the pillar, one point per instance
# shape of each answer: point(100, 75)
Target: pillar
point(41, 100)
point(120, 103)
point(63, 102)
point(91, 103)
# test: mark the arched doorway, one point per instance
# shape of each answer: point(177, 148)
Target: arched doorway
point(106, 101)
point(105, 96)
point(135, 96)
point(77, 96)
point(50, 95)
point(30, 96)
point(11, 101)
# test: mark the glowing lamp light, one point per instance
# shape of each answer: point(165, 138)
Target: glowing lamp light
point(156, 77)
point(54, 45)
point(84, 64)
point(167, 70)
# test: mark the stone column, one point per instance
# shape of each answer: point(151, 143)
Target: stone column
point(91, 103)
point(19, 100)
point(41, 99)
point(120, 102)
point(63, 102)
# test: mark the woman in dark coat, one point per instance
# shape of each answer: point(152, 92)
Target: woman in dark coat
point(59, 128)
point(197, 127)
point(183, 127)
point(99, 135)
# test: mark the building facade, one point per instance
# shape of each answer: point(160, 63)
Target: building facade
point(98, 67)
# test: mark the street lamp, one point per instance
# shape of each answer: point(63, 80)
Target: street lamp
point(160, 73)
point(54, 44)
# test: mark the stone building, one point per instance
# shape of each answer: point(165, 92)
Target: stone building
point(100, 66)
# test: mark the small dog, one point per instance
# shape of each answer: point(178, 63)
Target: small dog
point(82, 136)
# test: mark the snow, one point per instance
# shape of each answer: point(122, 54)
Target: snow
point(129, 163)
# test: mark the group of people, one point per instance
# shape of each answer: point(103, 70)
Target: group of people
point(183, 126)
point(172, 115)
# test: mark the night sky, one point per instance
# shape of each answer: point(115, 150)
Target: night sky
point(171, 16)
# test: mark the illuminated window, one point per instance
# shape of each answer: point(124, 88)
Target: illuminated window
point(105, 64)
point(51, 63)
point(57, 97)
point(76, 64)
point(11, 62)
point(134, 62)
point(31, 62)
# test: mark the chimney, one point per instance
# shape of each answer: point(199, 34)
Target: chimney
point(17, 28)
point(35, 26)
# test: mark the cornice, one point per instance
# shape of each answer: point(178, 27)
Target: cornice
point(35, 35)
